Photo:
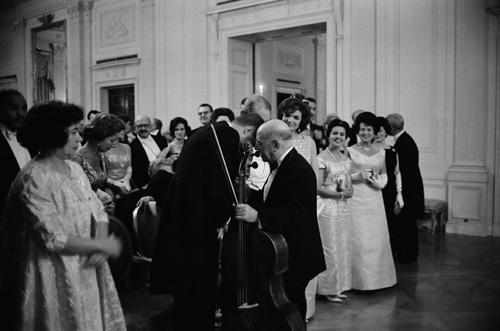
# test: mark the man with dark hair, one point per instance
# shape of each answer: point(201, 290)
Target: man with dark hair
point(406, 230)
point(222, 114)
point(13, 156)
point(198, 203)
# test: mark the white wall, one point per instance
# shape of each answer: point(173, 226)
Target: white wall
point(433, 61)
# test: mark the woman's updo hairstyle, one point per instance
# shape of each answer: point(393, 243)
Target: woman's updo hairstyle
point(102, 126)
point(290, 105)
point(46, 125)
point(384, 124)
point(176, 121)
point(368, 119)
point(334, 123)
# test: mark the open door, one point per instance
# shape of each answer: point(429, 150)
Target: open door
point(240, 72)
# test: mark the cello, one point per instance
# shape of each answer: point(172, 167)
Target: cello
point(253, 263)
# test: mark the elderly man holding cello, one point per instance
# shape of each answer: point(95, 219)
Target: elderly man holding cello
point(284, 214)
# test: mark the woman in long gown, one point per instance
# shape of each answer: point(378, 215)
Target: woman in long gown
point(296, 114)
point(54, 239)
point(333, 214)
point(372, 262)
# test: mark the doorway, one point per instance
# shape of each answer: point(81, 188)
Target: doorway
point(121, 100)
point(283, 61)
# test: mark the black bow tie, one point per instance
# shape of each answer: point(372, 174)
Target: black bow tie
point(273, 166)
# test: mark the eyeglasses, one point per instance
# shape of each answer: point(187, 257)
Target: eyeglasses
point(142, 125)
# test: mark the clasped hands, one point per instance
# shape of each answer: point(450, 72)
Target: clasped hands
point(110, 247)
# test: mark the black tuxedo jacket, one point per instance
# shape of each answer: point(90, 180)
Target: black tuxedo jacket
point(413, 187)
point(353, 137)
point(9, 167)
point(290, 210)
point(140, 161)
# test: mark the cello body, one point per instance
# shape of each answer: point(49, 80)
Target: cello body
point(268, 307)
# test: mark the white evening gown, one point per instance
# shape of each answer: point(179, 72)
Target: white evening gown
point(334, 223)
point(372, 262)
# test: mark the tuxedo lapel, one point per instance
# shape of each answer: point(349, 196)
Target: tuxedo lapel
point(280, 176)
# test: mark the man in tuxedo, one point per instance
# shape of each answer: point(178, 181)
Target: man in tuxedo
point(198, 202)
point(13, 156)
point(205, 113)
point(353, 137)
point(406, 236)
point(145, 149)
point(287, 206)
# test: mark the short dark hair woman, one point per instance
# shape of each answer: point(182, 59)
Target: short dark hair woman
point(54, 235)
point(369, 222)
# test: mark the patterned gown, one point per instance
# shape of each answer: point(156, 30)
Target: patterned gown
point(372, 262)
point(306, 147)
point(335, 228)
point(42, 289)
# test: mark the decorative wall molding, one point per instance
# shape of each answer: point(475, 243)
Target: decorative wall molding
point(288, 59)
point(235, 5)
point(116, 26)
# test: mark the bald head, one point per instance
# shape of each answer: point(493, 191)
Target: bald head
point(396, 122)
point(259, 105)
point(273, 139)
point(142, 126)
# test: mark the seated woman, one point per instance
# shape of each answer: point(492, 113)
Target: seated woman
point(180, 130)
point(102, 134)
point(54, 235)
point(118, 162)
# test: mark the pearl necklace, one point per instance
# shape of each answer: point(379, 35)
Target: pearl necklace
point(333, 156)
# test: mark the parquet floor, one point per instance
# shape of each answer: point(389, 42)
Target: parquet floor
point(454, 286)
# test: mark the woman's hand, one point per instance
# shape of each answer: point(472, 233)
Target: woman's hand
point(94, 260)
point(111, 246)
point(123, 185)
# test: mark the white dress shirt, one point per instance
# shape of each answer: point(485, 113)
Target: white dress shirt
point(151, 147)
point(22, 155)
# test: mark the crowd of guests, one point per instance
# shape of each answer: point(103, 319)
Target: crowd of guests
point(65, 177)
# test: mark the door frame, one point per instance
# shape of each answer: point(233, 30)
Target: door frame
point(220, 47)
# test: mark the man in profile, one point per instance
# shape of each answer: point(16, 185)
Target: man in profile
point(287, 206)
point(198, 203)
point(406, 230)
point(13, 156)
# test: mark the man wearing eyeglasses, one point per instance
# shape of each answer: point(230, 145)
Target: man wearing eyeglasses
point(145, 149)
point(205, 113)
